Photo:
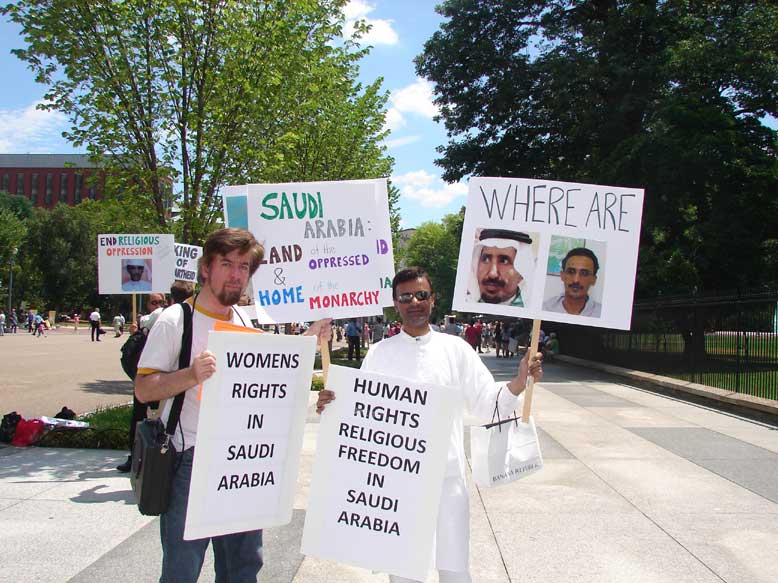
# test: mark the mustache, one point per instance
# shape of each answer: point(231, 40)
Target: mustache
point(493, 281)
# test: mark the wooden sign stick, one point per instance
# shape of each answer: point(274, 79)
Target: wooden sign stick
point(533, 349)
point(325, 360)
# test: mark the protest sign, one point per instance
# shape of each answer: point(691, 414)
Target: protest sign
point(328, 247)
point(378, 472)
point(249, 433)
point(518, 233)
point(186, 262)
point(130, 264)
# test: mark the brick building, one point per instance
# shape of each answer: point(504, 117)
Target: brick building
point(47, 179)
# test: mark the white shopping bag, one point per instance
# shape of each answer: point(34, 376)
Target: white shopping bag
point(505, 451)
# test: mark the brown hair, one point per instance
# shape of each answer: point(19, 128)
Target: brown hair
point(224, 242)
point(180, 290)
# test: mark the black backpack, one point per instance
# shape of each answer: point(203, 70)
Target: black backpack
point(8, 426)
point(131, 351)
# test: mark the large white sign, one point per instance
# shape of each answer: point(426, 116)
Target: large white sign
point(249, 434)
point(328, 247)
point(558, 251)
point(186, 262)
point(132, 264)
point(378, 472)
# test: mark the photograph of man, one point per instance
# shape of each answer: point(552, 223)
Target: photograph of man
point(499, 256)
point(138, 278)
point(578, 274)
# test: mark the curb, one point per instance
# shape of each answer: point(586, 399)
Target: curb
point(748, 405)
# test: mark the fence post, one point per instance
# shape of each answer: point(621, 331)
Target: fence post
point(692, 361)
point(738, 305)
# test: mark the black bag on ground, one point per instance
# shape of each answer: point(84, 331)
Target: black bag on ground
point(8, 426)
point(65, 413)
point(153, 454)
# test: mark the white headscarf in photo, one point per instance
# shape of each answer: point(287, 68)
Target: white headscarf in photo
point(523, 263)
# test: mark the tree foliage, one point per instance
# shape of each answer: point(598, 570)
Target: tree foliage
point(667, 95)
point(435, 248)
point(55, 266)
point(206, 93)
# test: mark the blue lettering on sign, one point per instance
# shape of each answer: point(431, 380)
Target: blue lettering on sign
point(284, 296)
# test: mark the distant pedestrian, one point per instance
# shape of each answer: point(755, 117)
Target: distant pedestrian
point(376, 332)
point(2, 323)
point(76, 318)
point(40, 327)
point(94, 322)
point(14, 322)
point(353, 333)
point(30, 320)
point(117, 326)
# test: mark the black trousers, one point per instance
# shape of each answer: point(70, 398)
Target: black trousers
point(95, 329)
point(353, 343)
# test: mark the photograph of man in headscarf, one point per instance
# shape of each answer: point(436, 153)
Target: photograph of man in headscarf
point(136, 275)
point(501, 261)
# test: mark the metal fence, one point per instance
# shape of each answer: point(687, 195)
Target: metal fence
point(729, 341)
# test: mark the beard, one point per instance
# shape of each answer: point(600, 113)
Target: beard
point(229, 297)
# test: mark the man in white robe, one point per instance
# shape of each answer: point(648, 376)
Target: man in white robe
point(428, 356)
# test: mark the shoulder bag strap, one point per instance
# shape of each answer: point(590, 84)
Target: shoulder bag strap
point(183, 362)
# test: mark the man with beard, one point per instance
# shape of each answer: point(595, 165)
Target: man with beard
point(442, 359)
point(230, 256)
point(579, 273)
point(136, 283)
point(496, 260)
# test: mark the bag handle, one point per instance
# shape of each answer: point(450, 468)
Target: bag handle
point(496, 415)
point(533, 348)
point(183, 361)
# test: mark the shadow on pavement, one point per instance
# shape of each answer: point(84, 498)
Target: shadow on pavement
point(32, 465)
point(109, 387)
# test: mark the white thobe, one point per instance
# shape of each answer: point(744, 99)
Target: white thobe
point(447, 360)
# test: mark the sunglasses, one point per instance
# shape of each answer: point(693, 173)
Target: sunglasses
point(157, 302)
point(407, 297)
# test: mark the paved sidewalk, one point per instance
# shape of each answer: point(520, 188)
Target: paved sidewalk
point(637, 487)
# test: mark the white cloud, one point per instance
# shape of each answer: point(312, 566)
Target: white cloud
point(429, 190)
point(30, 130)
point(394, 120)
point(381, 30)
point(404, 141)
point(415, 98)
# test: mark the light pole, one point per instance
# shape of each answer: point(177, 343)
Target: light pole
point(11, 282)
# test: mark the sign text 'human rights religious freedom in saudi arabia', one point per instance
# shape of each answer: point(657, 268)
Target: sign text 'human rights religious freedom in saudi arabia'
point(328, 247)
point(378, 472)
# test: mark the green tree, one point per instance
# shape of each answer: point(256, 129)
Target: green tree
point(206, 93)
point(667, 95)
point(57, 261)
point(435, 248)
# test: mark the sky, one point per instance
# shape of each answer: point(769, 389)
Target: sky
point(399, 30)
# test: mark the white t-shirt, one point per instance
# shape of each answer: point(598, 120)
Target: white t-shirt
point(147, 322)
point(95, 316)
point(161, 353)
